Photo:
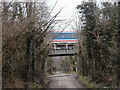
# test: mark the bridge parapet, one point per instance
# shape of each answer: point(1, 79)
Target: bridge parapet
point(62, 52)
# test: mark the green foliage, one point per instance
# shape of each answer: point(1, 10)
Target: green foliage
point(99, 43)
point(86, 81)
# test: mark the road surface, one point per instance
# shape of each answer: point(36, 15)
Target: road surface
point(60, 80)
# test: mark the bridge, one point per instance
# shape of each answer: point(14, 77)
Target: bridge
point(62, 52)
point(63, 44)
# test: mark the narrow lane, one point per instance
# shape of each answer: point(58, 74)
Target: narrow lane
point(60, 80)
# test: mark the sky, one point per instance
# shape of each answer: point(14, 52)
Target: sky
point(67, 5)
point(69, 8)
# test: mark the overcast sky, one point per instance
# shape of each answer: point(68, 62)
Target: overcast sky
point(69, 7)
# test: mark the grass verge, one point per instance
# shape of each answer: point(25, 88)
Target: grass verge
point(46, 81)
point(86, 81)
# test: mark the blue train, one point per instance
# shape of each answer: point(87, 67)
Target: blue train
point(64, 37)
point(63, 40)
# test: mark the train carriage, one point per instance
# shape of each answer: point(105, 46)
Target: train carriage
point(64, 40)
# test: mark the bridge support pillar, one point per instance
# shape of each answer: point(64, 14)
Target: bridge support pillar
point(54, 48)
point(66, 48)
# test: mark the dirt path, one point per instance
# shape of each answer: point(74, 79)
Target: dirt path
point(60, 80)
